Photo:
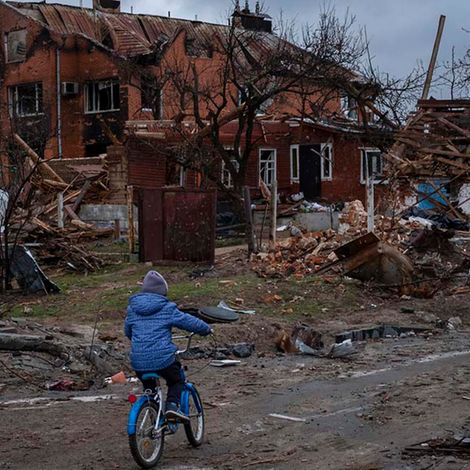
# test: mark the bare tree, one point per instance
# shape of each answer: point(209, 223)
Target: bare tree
point(18, 170)
point(253, 75)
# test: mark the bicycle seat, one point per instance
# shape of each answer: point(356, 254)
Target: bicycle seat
point(150, 375)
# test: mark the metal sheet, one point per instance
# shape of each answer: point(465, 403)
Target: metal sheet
point(177, 225)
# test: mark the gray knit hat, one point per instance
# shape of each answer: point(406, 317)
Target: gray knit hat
point(154, 283)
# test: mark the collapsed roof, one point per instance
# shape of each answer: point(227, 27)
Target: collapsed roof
point(133, 35)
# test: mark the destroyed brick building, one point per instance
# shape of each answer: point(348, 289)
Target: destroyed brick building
point(80, 74)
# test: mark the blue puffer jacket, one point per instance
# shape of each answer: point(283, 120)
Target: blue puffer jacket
point(150, 318)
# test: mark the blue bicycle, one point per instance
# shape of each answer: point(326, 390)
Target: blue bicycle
point(147, 424)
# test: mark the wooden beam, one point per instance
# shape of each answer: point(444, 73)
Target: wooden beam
point(82, 194)
point(43, 167)
point(432, 62)
point(130, 219)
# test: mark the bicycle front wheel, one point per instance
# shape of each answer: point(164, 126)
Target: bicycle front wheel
point(194, 428)
point(147, 443)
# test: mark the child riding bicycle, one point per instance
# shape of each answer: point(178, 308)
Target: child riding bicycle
point(149, 322)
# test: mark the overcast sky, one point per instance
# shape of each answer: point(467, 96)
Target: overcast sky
point(401, 32)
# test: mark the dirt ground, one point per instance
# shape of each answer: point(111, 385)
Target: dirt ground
point(356, 413)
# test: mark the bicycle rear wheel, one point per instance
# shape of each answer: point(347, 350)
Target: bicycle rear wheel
point(194, 428)
point(146, 444)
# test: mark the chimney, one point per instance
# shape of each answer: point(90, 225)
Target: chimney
point(110, 6)
point(253, 21)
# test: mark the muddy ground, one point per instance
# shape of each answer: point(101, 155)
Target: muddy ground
point(356, 413)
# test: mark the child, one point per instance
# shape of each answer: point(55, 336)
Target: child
point(150, 319)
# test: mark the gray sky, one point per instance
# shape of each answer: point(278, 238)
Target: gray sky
point(401, 32)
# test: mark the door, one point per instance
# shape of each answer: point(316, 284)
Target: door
point(310, 171)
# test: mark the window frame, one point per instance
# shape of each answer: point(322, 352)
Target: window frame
point(329, 161)
point(90, 83)
point(14, 102)
point(294, 178)
point(274, 169)
point(378, 179)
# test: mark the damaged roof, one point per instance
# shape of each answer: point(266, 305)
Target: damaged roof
point(133, 34)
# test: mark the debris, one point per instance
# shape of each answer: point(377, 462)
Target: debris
point(367, 258)
point(23, 342)
point(454, 323)
point(303, 339)
point(344, 349)
point(61, 385)
point(27, 272)
point(242, 350)
point(223, 304)
point(119, 378)
point(450, 445)
point(407, 310)
point(225, 363)
point(380, 331)
point(288, 418)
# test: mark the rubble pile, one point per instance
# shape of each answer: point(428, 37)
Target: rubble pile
point(299, 255)
point(400, 252)
point(36, 217)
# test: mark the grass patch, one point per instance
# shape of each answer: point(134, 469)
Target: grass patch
point(107, 292)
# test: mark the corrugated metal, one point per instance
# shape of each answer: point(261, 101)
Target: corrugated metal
point(177, 225)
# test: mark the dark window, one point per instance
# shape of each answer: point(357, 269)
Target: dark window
point(26, 100)
point(152, 98)
point(102, 96)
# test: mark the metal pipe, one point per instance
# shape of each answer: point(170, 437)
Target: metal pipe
point(59, 105)
point(432, 62)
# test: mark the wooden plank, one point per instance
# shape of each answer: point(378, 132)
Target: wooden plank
point(43, 167)
point(249, 219)
point(274, 212)
point(81, 195)
point(130, 219)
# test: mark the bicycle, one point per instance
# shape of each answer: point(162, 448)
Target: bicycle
point(147, 425)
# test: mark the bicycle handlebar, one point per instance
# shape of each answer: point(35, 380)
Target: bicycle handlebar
point(188, 344)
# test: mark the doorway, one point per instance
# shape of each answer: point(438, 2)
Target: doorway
point(310, 171)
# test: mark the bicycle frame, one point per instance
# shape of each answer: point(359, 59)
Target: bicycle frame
point(132, 418)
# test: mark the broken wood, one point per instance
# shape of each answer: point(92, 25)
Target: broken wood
point(43, 167)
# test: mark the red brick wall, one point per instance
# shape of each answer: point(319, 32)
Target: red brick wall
point(80, 62)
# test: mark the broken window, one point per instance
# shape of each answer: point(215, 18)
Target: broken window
point(227, 179)
point(349, 107)
point(371, 164)
point(25, 100)
point(294, 163)
point(326, 162)
point(267, 166)
point(15, 46)
point(102, 96)
point(151, 98)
